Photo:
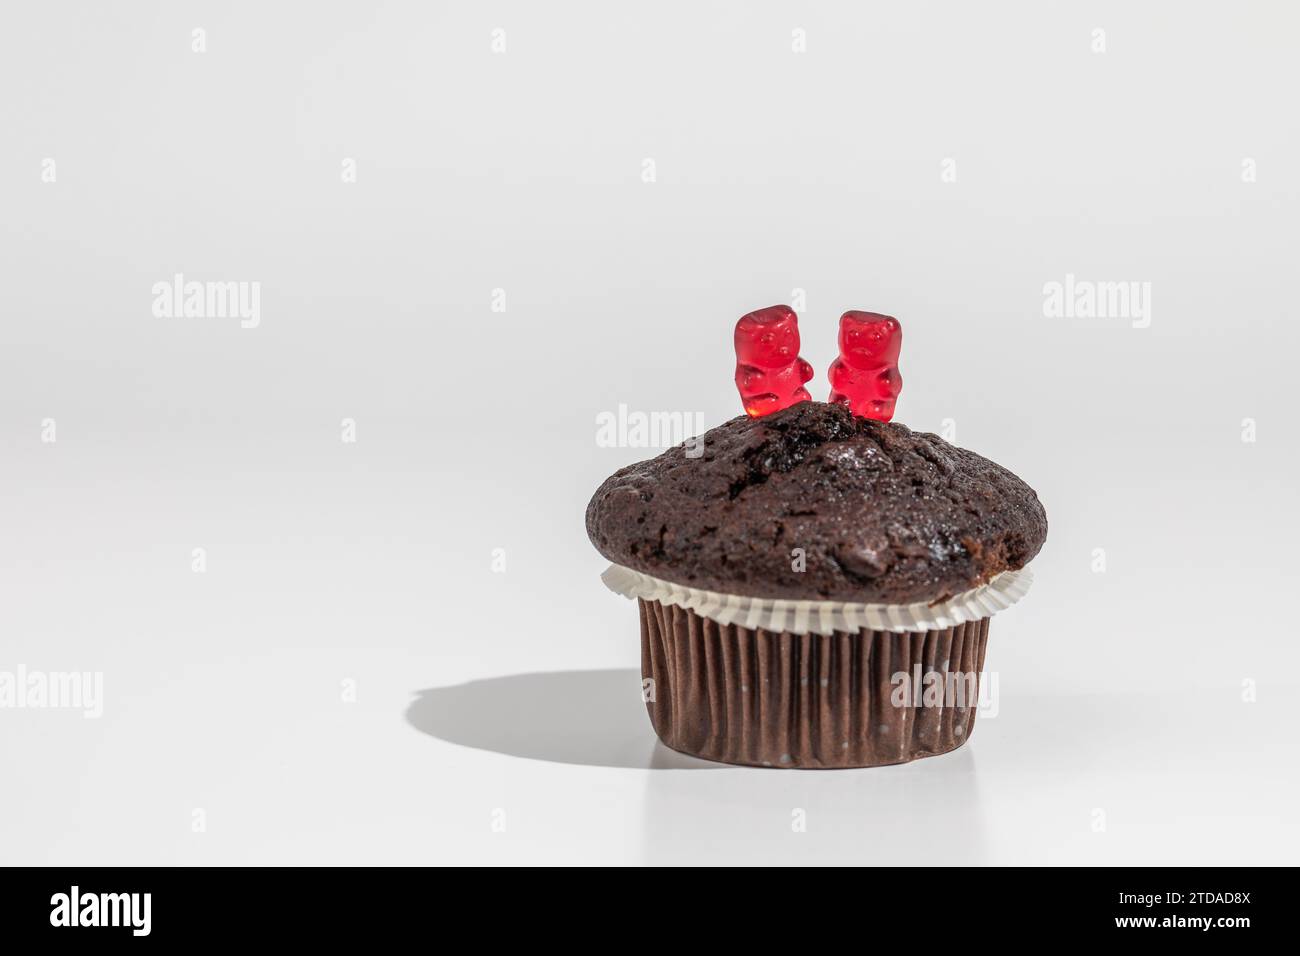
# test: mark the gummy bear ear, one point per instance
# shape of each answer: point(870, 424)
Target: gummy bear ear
point(865, 377)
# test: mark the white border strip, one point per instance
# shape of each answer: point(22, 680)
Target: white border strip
point(824, 617)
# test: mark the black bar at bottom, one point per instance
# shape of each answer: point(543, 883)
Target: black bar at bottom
point(90, 906)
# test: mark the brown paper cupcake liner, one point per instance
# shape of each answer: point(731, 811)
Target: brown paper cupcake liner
point(779, 699)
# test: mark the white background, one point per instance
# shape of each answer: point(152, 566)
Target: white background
point(1122, 734)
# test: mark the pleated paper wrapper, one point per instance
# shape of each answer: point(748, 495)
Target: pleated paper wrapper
point(813, 684)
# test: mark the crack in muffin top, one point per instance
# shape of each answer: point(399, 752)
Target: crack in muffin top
point(883, 514)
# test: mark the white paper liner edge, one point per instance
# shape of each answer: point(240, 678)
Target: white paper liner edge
point(824, 617)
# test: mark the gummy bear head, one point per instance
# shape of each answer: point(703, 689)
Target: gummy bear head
point(768, 338)
point(870, 340)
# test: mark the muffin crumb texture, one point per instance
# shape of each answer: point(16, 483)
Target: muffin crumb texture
point(873, 512)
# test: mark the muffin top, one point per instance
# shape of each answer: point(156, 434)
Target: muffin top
point(883, 514)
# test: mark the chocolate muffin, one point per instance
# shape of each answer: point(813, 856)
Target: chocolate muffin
point(808, 578)
point(883, 514)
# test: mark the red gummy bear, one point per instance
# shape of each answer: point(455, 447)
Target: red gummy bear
point(865, 376)
point(769, 372)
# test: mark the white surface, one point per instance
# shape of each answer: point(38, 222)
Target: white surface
point(286, 774)
point(1121, 691)
point(223, 693)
